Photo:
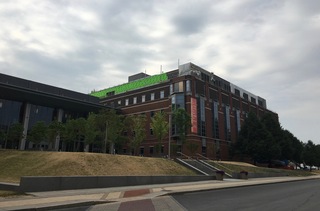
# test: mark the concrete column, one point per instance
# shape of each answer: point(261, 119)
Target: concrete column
point(59, 119)
point(26, 117)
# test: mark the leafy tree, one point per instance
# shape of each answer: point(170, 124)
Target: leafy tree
point(38, 133)
point(54, 130)
point(255, 141)
point(2, 138)
point(317, 156)
point(138, 130)
point(14, 135)
point(182, 121)
point(75, 132)
point(293, 145)
point(115, 129)
point(91, 131)
point(160, 127)
point(110, 126)
point(310, 154)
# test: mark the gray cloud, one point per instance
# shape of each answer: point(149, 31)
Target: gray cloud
point(270, 48)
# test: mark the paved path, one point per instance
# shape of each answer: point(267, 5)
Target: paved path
point(150, 197)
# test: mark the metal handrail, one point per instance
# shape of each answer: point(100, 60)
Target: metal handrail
point(187, 156)
point(215, 162)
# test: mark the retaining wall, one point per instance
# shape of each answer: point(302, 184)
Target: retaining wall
point(38, 184)
point(9, 186)
point(236, 175)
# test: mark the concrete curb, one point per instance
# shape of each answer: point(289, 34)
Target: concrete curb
point(240, 185)
point(54, 206)
point(102, 197)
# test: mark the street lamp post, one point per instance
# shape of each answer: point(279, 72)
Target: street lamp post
point(106, 139)
point(169, 147)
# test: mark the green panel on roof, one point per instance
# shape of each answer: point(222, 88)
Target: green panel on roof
point(151, 80)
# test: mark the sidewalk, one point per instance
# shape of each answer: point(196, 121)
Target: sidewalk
point(148, 197)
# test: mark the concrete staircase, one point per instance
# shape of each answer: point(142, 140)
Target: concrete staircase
point(201, 166)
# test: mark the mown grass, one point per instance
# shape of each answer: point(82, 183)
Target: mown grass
point(229, 168)
point(10, 194)
point(15, 164)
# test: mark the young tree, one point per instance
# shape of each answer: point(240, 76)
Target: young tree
point(54, 130)
point(182, 121)
point(160, 127)
point(110, 126)
point(2, 138)
point(91, 131)
point(75, 132)
point(14, 135)
point(138, 128)
point(38, 133)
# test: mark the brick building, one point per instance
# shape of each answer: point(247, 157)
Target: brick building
point(216, 106)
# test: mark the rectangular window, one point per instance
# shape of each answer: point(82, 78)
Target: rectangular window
point(151, 113)
point(151, 131)
point(161, 94)
point(127, 102)
point(237, 92)
point(237, 116)
point(178, 87)
point(143, 98)
point(188, 86)
point(225, 99)
point(215, 119)
point(227, 123)
point(119, 102)
point(135, 100)
point(181, 86)
point(253, 100)
point(151, 150)
point(245, 96)
point(152, 96)
point(235, 103)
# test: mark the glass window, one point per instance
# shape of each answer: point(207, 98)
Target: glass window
point(127, 102)
point(161, 94)
point(135, 100)
point(181, 86)
point(245, 96)
point(188, 86)
point(177, 101)
point(178, 87)
point(119, 102)
point(152, 96)
point(143, 98)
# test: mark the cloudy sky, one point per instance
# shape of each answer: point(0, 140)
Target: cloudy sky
point(270, 48)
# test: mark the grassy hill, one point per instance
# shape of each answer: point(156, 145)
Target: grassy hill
point(14, 164)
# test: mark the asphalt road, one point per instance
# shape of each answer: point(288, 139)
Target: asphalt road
point(300, 195)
